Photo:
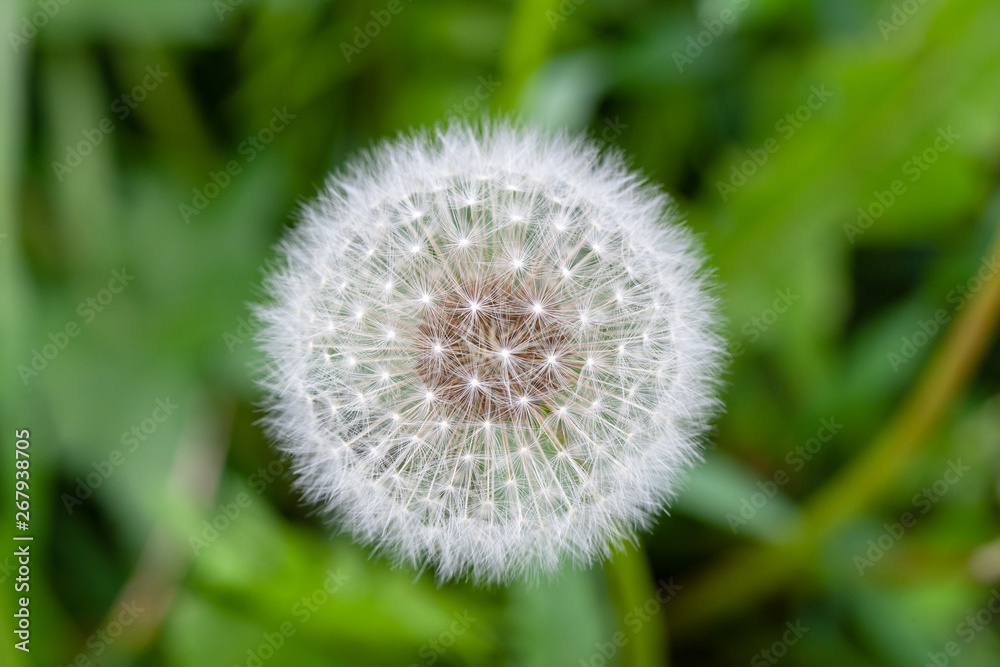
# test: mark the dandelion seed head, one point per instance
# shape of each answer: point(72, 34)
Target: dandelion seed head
point(490, 350)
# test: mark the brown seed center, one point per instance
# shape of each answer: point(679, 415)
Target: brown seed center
point(493, 350)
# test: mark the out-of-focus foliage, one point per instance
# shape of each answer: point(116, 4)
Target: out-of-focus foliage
point(838, 159)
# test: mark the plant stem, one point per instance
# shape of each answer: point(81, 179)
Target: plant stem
point(629, 581)
point(754, 572)
point(527, 46)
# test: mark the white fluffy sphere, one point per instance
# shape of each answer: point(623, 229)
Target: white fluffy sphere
point(490, 349)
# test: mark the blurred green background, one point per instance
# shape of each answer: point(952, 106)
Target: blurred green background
point(838, 158)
